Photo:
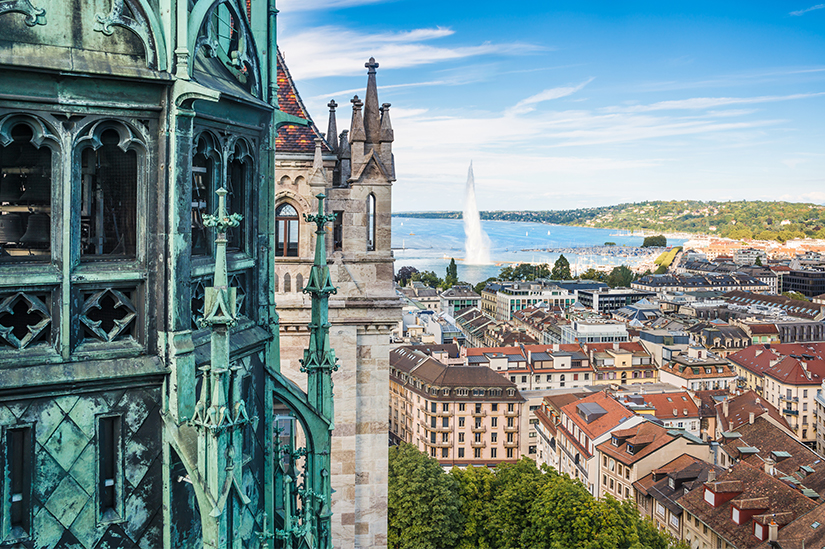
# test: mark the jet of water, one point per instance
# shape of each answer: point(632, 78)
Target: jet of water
point(476, 242)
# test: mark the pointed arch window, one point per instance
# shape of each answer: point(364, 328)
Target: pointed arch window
point(108, 202)
point(371, 222)
point(286, 231)
point(25, 196)
point(240, 168)
point(204, 166)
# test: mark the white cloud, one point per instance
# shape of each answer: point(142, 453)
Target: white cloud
point(335, 51)
point(792, 163)
point(806, 10)
point(708, 102)
point(529, 104)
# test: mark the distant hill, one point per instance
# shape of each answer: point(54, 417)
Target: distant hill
point(765, 220)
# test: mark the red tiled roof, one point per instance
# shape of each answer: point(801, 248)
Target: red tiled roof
point(613, 417)
point(293, 138)
point(764, 329)
point(679, 402)
point(649, 434)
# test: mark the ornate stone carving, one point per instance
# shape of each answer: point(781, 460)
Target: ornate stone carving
point(34, 15)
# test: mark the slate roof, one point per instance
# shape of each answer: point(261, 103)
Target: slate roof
point(688, 472)
point(292, 138)
point(754, 483)
point(795, 308)
point(707, 405)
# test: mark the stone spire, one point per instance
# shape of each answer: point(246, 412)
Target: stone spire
point(372, 121)
point(386, 125)
point(332, 127)
point(357, 136)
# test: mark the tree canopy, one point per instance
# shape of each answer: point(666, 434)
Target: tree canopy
point(452, 275)
point(655, 240)
point(561, 269)
point(524, 272)
point(514, 505)
point(424, 506)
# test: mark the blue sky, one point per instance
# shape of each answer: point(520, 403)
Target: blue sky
point(566, 104)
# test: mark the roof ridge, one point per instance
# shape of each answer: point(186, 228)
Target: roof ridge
point(304, 111)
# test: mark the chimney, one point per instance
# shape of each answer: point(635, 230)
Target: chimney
point(616, 346)
point(751, 417)
point(773, 531)
point(711, 475)
point(556, 347)
point(769, 464)
point(725, 408)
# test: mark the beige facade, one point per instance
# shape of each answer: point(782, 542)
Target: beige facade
point(363, 313)
point(456, 414)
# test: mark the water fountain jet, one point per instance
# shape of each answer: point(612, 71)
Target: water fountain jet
point(476, 242)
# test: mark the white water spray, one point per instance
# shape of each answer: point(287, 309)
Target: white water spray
point(476, 242)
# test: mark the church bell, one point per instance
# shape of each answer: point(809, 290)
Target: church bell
point(11, 228)
point(38, 231)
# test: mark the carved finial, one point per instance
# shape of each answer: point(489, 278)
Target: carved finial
point(371, 65)
point(332, 105)
point(357, 125)
point(356, 102)
point(386, 124)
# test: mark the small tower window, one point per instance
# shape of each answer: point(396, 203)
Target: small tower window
point(286, 231)
point(338, 231)
point(371, 222)
point(19, 468)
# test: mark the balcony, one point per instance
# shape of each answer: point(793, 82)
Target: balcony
point(480, 414)
point(511, 429)
point(441, 444)
point(443, 413)
point(790, 399)
point(478, 429)
point(511, 443)
point(790, 411)
point(478, 444)
point(510, 413)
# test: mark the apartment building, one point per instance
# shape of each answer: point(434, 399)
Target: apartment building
point(519, 296)
point(594, 331)
point(460, 415)
point(582, 426)
point(698, 369)
point(536, 367)
point(657, 492)
point(621, 363)
point(789, 376)
point(608, 300)
point(741, 508)
point(457, 298)
point(632, 453)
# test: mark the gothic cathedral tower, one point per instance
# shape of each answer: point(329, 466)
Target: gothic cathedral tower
point(355, 170)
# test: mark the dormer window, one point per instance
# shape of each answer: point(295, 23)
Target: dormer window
point(671, 483)
point(630, 449)
point(615, 441)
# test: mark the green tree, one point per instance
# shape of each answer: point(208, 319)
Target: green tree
point(424, 506)
point(662, 269)
point(620, 276)
point(480, 286)
point(452, 274)
point(561, 269)
point(655, 240)
point(429, 278)
point(593, 275)
point(793, 295)
point(404, 274)
point(758, 261)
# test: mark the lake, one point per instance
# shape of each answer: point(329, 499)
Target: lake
point(428, 244)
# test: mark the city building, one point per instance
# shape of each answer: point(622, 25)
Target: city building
point(808, 282)
point(657, 492)
point(607, 300)
point(457, 298)
point(724, 282)
point(583, 425)
point(460, 415)
point(744, 408)
point(473, 324)
point(789, 376)
point(621, 363)
point(676, 410)
point(718, 337)
point(630, 454)
point(749, 256)
point(697, 369)
point(741, 508)
point(593, 330)
point(518, 296)
point(548, 416)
